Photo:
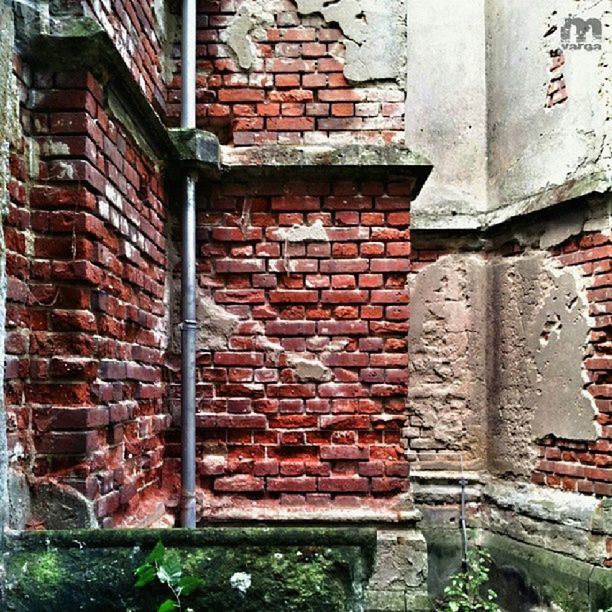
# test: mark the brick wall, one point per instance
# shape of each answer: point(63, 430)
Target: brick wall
point(140, 32)
point(85, 314)
point(306, 399)
point(587, 466)
point(294, 92)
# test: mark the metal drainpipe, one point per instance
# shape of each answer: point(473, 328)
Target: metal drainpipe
point(188, 279)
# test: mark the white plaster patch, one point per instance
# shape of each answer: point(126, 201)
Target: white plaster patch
point(305, 233)
point(374, 35)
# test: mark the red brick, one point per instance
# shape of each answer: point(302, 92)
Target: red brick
point(242, 483)
point(344, 485)
point(350, 453)
point(304, 484)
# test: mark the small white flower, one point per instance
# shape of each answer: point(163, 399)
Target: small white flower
point(278, 556)
point(241, 581)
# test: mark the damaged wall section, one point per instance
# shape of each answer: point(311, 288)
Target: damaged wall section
point(512, 351)
point(311, 73)
point(301, 397)
point(538, 326)
point(447, 397)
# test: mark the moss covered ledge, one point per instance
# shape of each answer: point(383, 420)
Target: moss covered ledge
point(193, 538)
point(287, 569)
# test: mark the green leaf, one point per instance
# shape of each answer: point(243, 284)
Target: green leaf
point(167, 606)
point(157, 554)
point(145, 574)
point(170, 571)
point(188, 584)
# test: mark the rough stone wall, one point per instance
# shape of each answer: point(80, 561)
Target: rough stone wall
point(10, 135)
point(277, 72)
point(85, 320)
point(302, 379)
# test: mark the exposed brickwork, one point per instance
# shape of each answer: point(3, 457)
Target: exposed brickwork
point(86, 248)
point(139, 33)
point(266, 427)
point(305, 402)
point(295, 91)
point(582, 466)
point(557, 90)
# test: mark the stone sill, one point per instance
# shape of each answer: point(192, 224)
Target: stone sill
point(366, 162)
point(396, 510)
point(594, 183)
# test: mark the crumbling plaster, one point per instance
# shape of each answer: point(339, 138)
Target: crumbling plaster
point(446, 400)
point(537, 329)
point(496, 358)
point(374, 34)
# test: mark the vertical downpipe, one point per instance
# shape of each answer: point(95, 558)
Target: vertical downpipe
point(188, 278)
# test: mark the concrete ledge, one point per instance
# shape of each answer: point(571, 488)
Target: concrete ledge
point(451, 220)
point(208, 536)
point(221, 509)
point(564, 507)
point(196, 150)
point(444, 486)
point(313, 569)
point(324, 162)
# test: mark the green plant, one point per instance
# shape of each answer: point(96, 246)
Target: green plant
point(465, 592)
point(165, 566)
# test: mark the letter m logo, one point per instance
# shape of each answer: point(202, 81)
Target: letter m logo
point(582, 27)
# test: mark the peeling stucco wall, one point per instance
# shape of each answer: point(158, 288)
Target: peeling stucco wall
point(484, 114)
point(538, 330)
point(446, 401)
point(374, 34)
point(446, 105)
point(534, 149)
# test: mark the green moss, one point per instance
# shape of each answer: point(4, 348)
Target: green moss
point(288, 569)
point(80, 26)
point(46, 570)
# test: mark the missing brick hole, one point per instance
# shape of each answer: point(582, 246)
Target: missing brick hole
point(551, 326)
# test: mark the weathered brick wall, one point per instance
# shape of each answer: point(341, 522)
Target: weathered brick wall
point(575, 465)
point(85, 314)
point(293, 92)
point(141, 32)
point(302, 361)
